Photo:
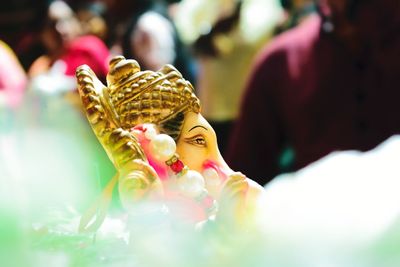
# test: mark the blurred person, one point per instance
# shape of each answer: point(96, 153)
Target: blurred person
point(146, 32)
point(90, 15)
point(226, 44)
point(12, 77)
point(295, 11)
point(20, 22)
point(51, 106)
point(68, 47)
point(149, 36)
point(328, 84)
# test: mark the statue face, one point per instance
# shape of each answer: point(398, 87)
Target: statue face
point(197, 144)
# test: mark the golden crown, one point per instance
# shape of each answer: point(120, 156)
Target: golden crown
point(133, 96)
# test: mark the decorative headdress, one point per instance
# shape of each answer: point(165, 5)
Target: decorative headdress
point(135, 97)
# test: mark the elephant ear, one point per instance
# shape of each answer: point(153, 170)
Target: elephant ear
point(136, 177)
point(94, 99)
point(120, 145)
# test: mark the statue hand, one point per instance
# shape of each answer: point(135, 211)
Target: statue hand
point(236, 186)
point(232, 199)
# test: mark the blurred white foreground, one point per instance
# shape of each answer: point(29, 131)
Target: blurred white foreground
point(340, 211)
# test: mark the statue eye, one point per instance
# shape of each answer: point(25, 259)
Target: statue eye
point(200, 141)
point(197, 140)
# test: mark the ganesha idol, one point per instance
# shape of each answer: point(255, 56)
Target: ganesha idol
point(163, 149)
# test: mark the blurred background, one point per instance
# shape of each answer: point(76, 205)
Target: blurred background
point(284, 83)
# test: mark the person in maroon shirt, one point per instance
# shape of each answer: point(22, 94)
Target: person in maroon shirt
point(330, 84)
